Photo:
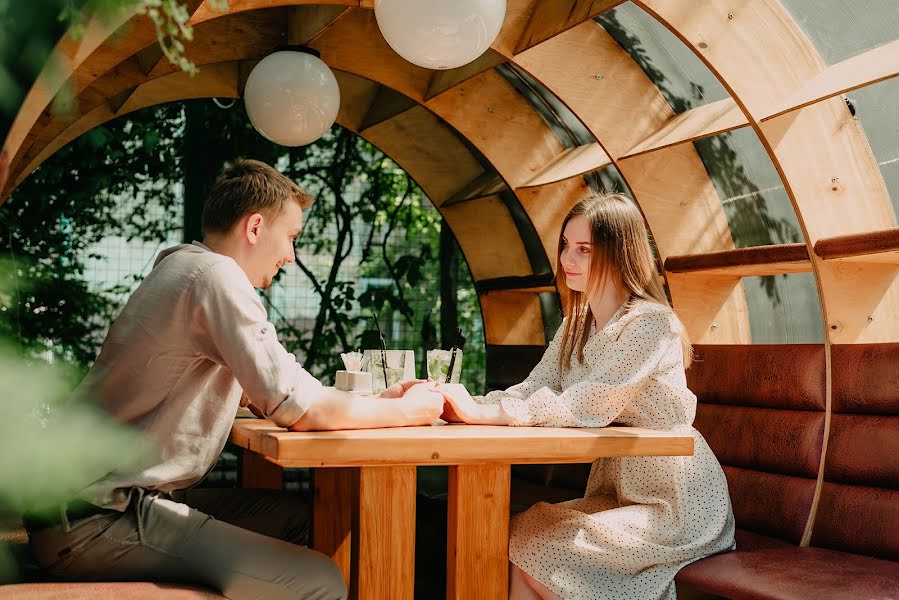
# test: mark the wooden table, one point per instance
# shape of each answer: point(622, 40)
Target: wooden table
point(365, 491)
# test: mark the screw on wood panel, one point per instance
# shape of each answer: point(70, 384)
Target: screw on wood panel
point(835, 183)
point(683, 202)
point(730, 16)
point(870, 319)
point(714, 326)
point(490, 109)
point(597, 76)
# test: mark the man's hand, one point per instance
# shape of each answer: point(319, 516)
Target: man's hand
point(423, 403)
point(397, 390)
point(245, 401)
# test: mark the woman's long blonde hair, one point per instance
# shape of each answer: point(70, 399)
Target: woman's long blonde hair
point(620, 243)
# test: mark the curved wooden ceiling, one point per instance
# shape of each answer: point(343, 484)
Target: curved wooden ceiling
point(504, 180)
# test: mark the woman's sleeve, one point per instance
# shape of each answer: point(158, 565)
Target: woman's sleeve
point(545, 375)
point(614, 380)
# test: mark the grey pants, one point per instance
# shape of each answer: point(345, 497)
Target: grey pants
point(235, 541)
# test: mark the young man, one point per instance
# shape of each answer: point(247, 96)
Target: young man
point(192, 338)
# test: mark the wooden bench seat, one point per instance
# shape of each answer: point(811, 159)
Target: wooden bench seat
point(124, 590)
point(35, 587)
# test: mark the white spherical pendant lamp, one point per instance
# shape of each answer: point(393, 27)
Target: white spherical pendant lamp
point(440, 34)
point(292, 97)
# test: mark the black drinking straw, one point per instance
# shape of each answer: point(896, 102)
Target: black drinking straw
point(383, 351)
point(449, 372)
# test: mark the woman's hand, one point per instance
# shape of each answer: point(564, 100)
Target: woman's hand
point(460, 406)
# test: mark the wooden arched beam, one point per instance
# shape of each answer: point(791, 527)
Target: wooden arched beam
point(531, 132)
point(485, 109)
point(670, 183)
point(820, 151)
point(523, 17)
point(827, 168)
point(436, 160)
point(245, 37)
point(77, 62)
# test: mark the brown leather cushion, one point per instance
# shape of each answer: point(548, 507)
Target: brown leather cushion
point(766, 439)
point(858, 519)
point(793, 573)
point(761, 408)
point(749, 540)
point(859, 506)
point(865, 378)
point(863, 450)
point(789, 376)
point(101, 590)
point(770, 504)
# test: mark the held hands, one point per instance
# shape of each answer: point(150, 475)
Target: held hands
point(423, 403)
point(451, 395)
point(459, 406)
point(397, 390)
point(426, 401)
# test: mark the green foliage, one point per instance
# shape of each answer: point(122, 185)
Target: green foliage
point(53, 447)
point(370, 221)
point(64, 209)
point(376, 224)
point(29, 29)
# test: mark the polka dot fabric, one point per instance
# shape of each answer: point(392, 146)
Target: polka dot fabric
point(641, 518)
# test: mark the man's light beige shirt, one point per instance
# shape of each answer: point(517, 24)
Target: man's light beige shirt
point(192, 336)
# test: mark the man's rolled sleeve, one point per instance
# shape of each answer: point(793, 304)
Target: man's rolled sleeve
point(230, 325)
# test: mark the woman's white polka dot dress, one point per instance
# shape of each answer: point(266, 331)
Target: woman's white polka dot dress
point(641, 518)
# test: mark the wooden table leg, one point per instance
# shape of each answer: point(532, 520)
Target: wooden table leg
point(384, 523)
point(477, 552)
point(335, 496)
point(257, 472)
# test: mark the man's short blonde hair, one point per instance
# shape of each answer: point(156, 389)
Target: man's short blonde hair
point(247, 187)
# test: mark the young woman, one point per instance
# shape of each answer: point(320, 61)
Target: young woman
point(619, 356)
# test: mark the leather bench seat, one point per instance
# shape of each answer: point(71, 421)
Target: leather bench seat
point(788, 572)
point(761, 408)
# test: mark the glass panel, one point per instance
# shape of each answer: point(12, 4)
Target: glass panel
point(876, 107)
point(681, 77)
point(784, 309)
point(567, 127)
point(755, 202)
point(840, 30)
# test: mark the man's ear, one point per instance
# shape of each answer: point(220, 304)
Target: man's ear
point(254, 227)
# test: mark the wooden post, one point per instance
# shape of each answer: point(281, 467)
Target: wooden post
point(384, 551)
point(336, 490)
point(256, 472)
point(478, 532)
